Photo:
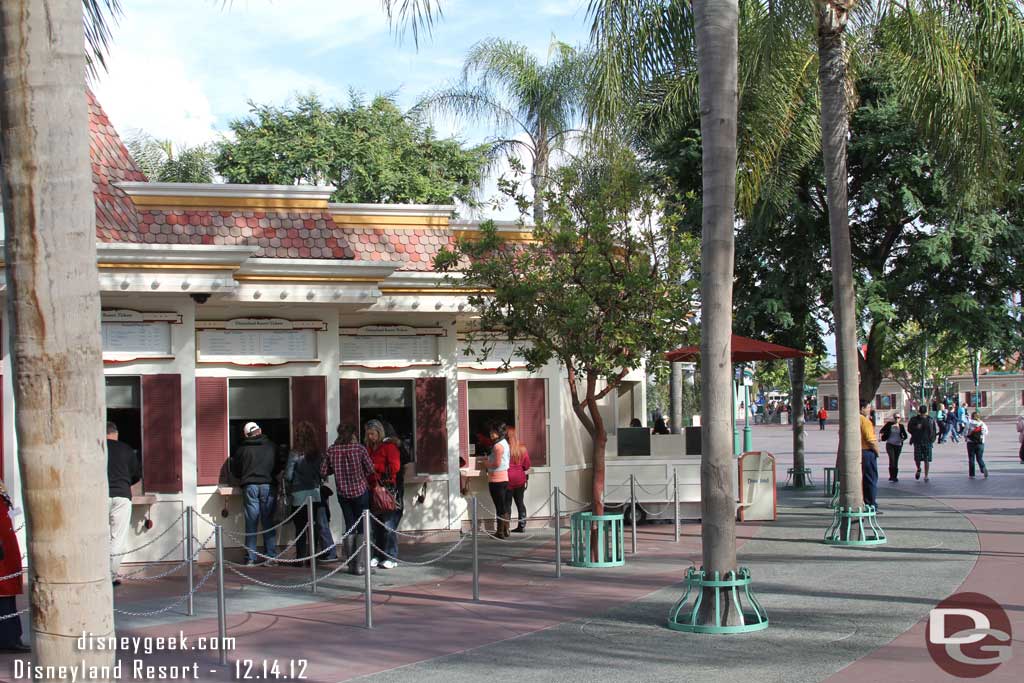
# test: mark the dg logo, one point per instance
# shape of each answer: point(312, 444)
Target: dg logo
point(969, 635)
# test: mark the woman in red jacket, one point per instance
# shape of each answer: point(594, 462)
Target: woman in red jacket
point(387, 461)
point(11, 586)
point(518, 475)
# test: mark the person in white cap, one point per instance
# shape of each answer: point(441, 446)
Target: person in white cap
point(255, 464)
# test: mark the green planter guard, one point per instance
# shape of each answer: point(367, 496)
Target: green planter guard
point(855, 527)
point(604, 530)
point(731, 592)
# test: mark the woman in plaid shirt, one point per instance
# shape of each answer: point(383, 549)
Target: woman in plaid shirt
point(353, 474)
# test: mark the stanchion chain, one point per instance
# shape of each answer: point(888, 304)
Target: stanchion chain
point(12, 615)
point(173, 569)
point(150, 542)
point(452, 549)
point(292, 586)
point(174, 604)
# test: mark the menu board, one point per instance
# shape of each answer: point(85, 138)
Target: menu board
point(256, 347)
point(136, 340)
point(390, 351)
point(498, 351)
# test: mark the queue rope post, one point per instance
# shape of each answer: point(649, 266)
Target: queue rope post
point(675, 503)
point(558, 533)
point(476, 552)
point(632, 513)
point(368, 547)
point(311, 542)
point(222, 616)
point(189, 559)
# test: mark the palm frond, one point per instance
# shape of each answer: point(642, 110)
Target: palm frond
point(417, 16)
point(471, 103)
point(99, 16)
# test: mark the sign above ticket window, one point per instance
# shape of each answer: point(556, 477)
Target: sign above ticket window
point(136, 335)
point(389, 346)
point(491, 354)
point(257, 341)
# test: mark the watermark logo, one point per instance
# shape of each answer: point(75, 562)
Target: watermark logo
point(969, 635)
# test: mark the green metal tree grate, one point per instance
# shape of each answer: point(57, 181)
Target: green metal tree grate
point(855, 527)
point(685, 615)
point(597, 540)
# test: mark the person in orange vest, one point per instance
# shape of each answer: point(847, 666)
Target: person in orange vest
point(822, 417)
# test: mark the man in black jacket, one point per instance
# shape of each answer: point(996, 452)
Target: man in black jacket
point(923, 429)
point(255, 464)
point(123, 470)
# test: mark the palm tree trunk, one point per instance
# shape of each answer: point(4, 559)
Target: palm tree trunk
point(539, 179)
point(797, 371)
point(717, 30)
point(834, 129)
point(54, 309)
point(675, 397)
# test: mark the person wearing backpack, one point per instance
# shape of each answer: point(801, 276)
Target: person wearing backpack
point(977, 431)
point(922, 428)
point(894, 434)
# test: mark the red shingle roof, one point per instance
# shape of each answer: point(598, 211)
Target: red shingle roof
point(116, 218)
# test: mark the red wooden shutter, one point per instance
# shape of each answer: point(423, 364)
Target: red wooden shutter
point(531, 419)
point(968, 399)
point(878, 401)
point(464, 419)
point(350, 402)
point(431, 425)
point(2, 433)
point(211, 428)
point(161, 433)
point(309, 402)
point(892, 401)
point(984, 399)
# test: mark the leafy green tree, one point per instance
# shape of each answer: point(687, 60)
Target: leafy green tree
point(598, 289)
point(161, 162)
point(372, 153)
point(504, 84)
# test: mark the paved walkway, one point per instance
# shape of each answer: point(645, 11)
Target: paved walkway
point(837, 614)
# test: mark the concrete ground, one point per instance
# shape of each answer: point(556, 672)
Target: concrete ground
point(837, 614)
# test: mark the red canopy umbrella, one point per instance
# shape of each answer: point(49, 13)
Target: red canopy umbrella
point(744, 350)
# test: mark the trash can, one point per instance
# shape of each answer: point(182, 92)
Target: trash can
point(693, 444)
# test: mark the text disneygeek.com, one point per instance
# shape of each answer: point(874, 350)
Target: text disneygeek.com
point(130, 666)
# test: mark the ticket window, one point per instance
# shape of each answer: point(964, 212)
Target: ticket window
point(124, 408)
point(488, 403)
point(263, 401)
point(390, 401)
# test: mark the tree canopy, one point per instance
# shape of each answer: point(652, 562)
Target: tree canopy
point(162, 162)
point(372, 153)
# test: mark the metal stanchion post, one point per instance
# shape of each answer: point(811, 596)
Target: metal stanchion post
point(189, 559)
point(311, 538)
point(675, 502)
point(632, 511)
point(222, 615)
point(476, 554)
point(368, 554)
point(558, 533)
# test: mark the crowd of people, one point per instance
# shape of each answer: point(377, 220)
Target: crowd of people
point(508, 473)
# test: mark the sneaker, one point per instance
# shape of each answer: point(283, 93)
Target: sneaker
point(917, 475)
point(375, 562)
point(270, 563)
point(986, 474)
point(926, 478)
point(388, 564)
point(250, 563)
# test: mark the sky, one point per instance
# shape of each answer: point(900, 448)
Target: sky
point(182, 69)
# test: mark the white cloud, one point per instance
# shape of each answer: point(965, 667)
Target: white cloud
point(561, 8)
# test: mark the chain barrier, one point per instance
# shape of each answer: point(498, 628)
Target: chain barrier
point(305, 584)
point(208, 520)
point(578, 502)
point(159, 559)
point(455, 546)
point(651, 515)
point(177, 602)
point(151, 541)
point(172, 570)
point(293, 560)
point(11, 576)
point(12, 615)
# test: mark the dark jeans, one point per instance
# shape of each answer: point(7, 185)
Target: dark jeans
point(259, 510)
point(10, 629)
point(352, 511)
point(894, 460)
point(821, 424)
point(384, 536)
point(869, 471)
point(499, 496)
point(517, 495)
point(324, 539)
point(976, 451)
point(1021, 451)
point(301, 520)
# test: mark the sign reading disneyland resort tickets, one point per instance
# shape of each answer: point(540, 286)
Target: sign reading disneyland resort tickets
point(257, 341)
point(757, 486)
point(390, 346)
point(131, 335)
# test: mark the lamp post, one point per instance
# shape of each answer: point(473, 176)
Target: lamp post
point(748, 433)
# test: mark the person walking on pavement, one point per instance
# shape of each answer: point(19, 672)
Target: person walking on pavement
point(1020, 436)
point(123, 471)
point(950, 426)
point(256, 466)
point(868, 456)
point(11, 585)
point(894, 434)
point(977, 432)
point(822, 418)
point(922, 430)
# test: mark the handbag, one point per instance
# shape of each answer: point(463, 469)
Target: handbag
point(385, 494)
